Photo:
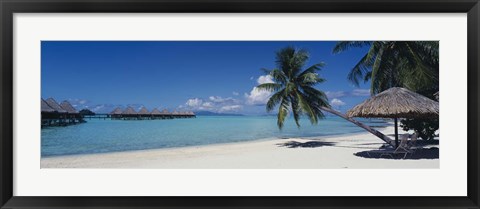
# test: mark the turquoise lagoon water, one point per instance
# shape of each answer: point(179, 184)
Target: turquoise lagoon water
point(100, 136)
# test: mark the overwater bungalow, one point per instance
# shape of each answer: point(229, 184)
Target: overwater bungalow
point(143, 114)
point(47, 113)
point(59, 118)
point(182, 114)
point(54, 105)
point(73, 116)
point(116, 113)
point(156, 114)
point(165, 112)
point(54, 114)
point(129, 114)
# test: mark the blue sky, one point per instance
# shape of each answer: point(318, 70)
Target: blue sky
point(217, 76)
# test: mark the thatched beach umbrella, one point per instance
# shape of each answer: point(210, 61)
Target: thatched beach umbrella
point(68, 107)
point(396, 103)
point(54, 105)
point(46, 107)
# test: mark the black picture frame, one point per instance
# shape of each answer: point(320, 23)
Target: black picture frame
point(9, 7)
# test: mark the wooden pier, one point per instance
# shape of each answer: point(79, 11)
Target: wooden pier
point(139, 116)
point(54, 114)
point(144, 114)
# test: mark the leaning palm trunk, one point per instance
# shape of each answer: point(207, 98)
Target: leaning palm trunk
point(361, 125)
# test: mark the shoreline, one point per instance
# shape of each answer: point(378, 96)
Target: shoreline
point(216, 144)
point(273, 153)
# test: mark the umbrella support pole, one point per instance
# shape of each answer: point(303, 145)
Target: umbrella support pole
point(396, 133)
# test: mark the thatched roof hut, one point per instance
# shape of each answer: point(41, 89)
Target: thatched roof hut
point(54, 105)
point(155, 111)
point(396, 103)
point(68, 107)
point(129, 111)
point(175, 112)
point(165, 112)
point(117, 111)
point(143, 111)
point(46, 107)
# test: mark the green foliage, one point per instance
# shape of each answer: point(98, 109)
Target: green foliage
point(86, 112)
point(294, 88)
point(410, 64)
point(425, 127)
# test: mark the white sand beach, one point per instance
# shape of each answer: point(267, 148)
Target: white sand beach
point(333, 152)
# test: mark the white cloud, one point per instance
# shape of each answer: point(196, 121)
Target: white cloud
point(335, 94)
point(355, 92)
point(265, 79)
point(97, 108)
point(79, 103)
point(235, 93)
point(336, 102)
point(230, 108)
point(218, 99)
point(257, 97)
point(195, 102)
point(361, 92)
point(251, 78)
point(203, 108)
point(214, 104)
point(207, 105)
point(101, 108)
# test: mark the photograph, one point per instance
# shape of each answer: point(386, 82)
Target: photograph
point(291, 104)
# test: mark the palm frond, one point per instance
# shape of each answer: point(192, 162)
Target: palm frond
point(297, 62)
point(296, 110)
point(271, 87)
point(284, 59)
point(278, 76)
point(274, 100)
point(362, 67)
point(313, 69)
point(342, 46)
point(309, 79)
point(376, 68)
point(318, 98)
point(306, 106)
point(282, 112)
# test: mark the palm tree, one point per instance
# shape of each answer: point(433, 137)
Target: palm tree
point(294, 90)
point(409, 64)
point(294, 87)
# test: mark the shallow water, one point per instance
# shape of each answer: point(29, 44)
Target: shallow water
point(99, 136)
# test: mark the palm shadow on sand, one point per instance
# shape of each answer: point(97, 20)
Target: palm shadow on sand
point(310, 144)
point(421, 153)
